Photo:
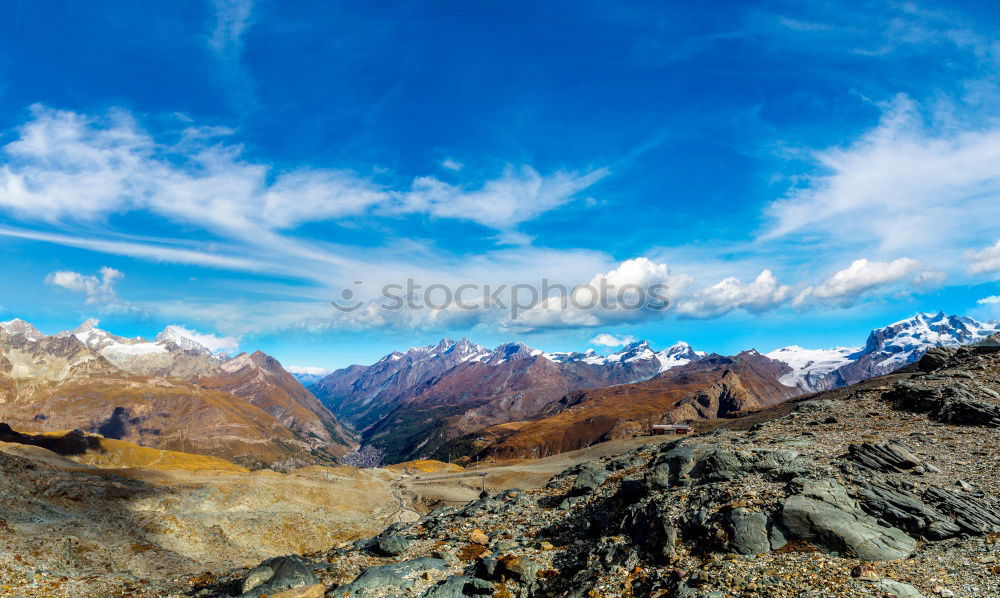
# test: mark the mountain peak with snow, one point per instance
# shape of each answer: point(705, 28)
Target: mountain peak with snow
point(19, 326)
point(176, 335)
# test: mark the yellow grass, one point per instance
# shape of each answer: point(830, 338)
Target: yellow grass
point(121, 454)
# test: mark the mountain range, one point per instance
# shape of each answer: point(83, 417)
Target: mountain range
point(452, 400)
point(455, 397)
point(170, 393)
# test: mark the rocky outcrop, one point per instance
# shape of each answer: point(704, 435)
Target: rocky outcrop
point(823, 513)
point(957, 403)
point(274, 575)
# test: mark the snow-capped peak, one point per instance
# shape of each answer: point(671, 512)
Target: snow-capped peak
point(175, 334)
point(19, 326)
point(678, 354)
point(463, 348)
point(639, 351)
point(906, 340)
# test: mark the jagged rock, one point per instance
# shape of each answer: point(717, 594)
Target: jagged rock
point(387, 576)
point(892, 456)
point(749, 532)
point(486, 568)
point(392, 545)
point(589, 479)
point(823, 514)
point(974, 515)
point(813, 406)
point(906, 511)
point(520, 567)
point(285, 572)
point(935, 358)
point(705, 464)
point(957, 404)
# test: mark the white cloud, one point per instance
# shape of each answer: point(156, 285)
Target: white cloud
point(232, 18)
point(760, 295)
point(845, 286)
point(213, 342)
point(99, 290)
point(610, 340)
point(632, 292)
point(65, 166)
point(985, 260)
point(923, 183)
point(452, 165)
point(519, 195)
point(991, 300)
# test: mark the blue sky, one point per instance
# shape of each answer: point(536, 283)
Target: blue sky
point(794, 173)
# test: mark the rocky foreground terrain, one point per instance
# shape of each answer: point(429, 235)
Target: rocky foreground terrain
point(886, 488)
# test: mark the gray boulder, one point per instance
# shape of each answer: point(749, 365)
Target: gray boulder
point(392, 545)
point(891, 587)
point(459, 586)
point(275, 575)
point(749, 532)
point(388, 576)
point(589, 479)
point(888, 457)
point(826, 516)
point(907, 511)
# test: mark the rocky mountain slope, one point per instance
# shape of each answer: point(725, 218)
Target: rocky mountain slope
point(884, 488)
point(248, 410)
point(409, 404)
point(712, 387)
point(261, 381)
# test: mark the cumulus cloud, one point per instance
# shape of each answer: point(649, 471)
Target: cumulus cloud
point(452, 165)
point(99, 290)
point(637, 290)
point(610, 340)
point(991, 300)
point(760, 295)
point(984, 261)
point(844, 287)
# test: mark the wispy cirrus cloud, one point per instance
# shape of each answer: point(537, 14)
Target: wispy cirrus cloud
point(908, 185)
point(233, 19)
